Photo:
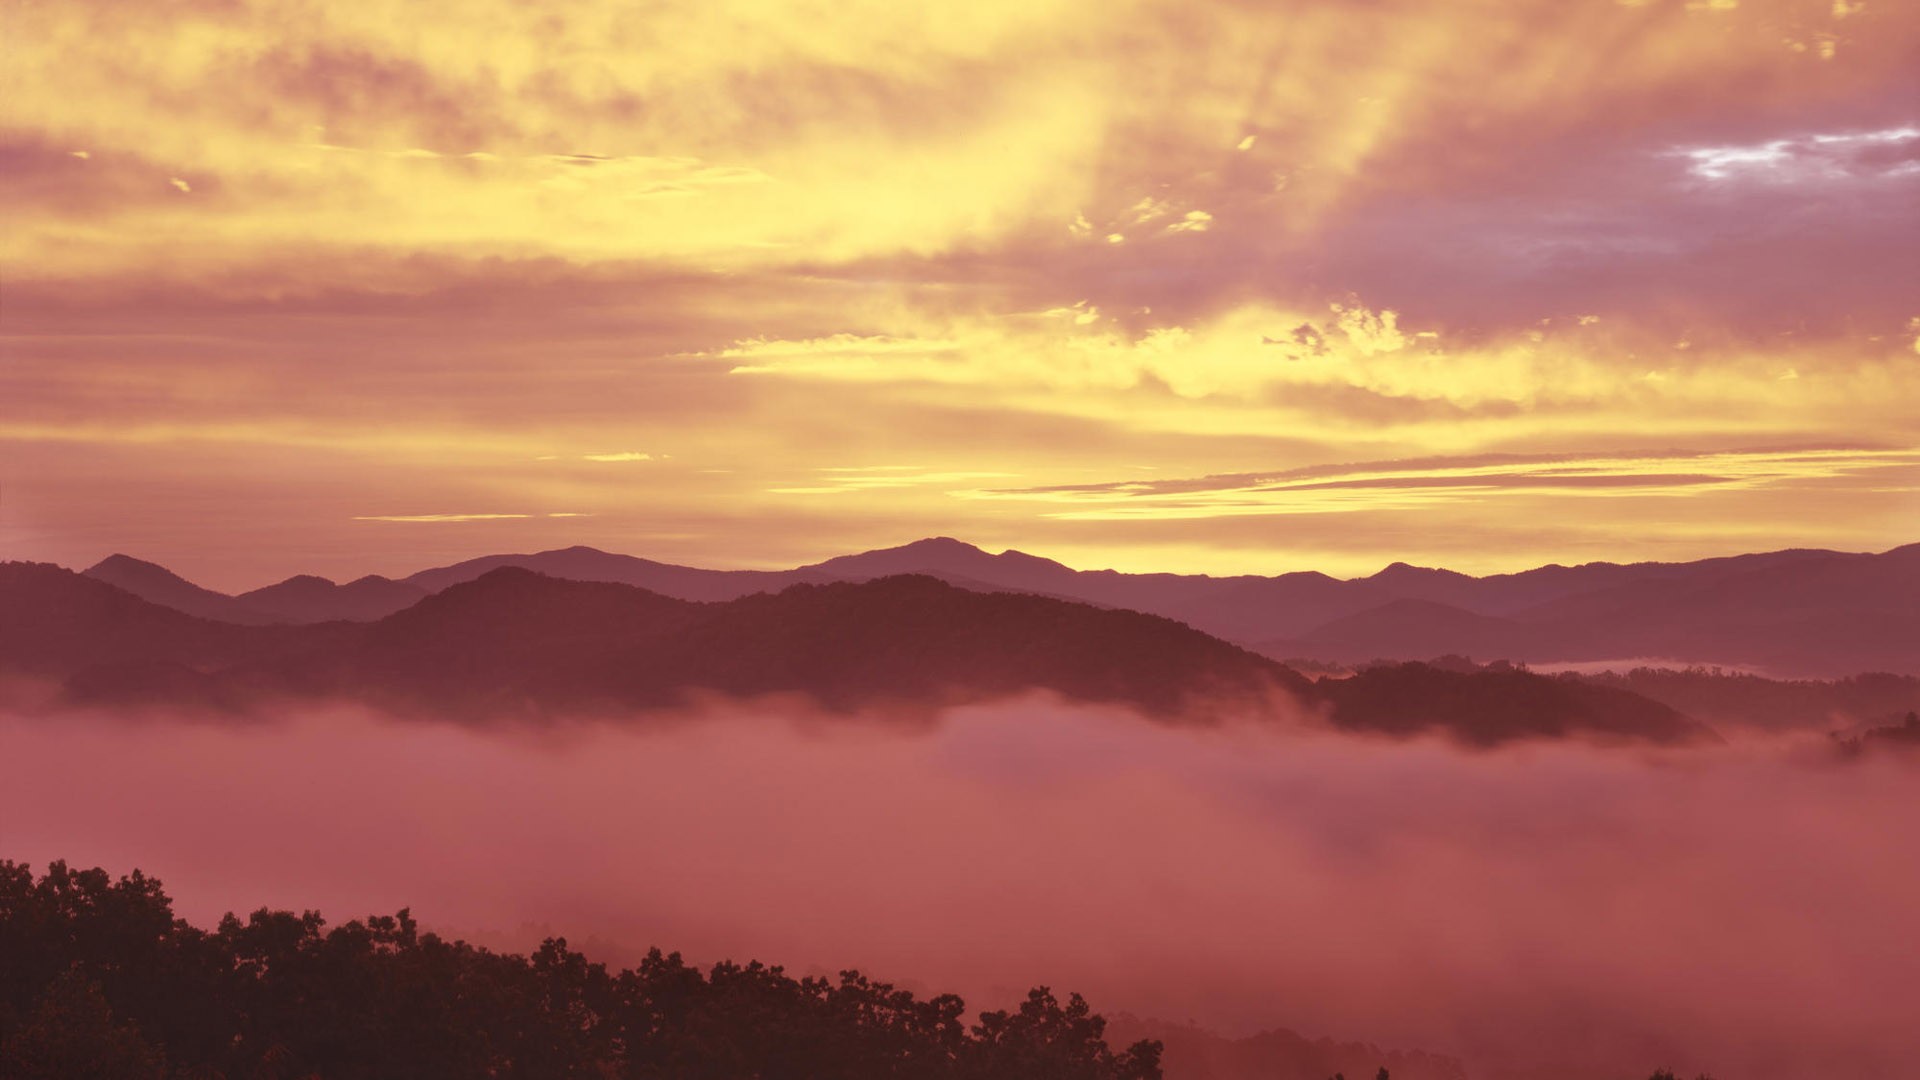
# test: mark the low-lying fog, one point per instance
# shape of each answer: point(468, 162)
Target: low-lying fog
point(1747, 909)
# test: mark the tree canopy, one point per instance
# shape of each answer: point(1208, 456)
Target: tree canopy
point(99, 979)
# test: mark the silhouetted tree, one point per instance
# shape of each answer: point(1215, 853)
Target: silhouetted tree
point(98, 979)
point(72, 1034)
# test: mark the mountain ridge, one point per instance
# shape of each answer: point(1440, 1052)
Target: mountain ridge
point(1798, 612)
point(518, 645)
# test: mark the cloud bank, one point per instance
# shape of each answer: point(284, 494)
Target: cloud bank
point(1551, 910)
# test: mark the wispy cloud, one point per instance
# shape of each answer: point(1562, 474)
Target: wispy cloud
point(1431, 482)
point(417, 519)
point(843, 480)
point(1819, 159)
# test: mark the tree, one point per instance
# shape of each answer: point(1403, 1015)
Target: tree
point(72, 1034)
point(97, 979)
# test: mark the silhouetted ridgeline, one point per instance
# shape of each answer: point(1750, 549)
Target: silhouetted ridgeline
point(513, 643)
point(1736, 699)
point(300, 599)
point(99, 980)
point(1795, 612)
point(1491, 706)
point(517, 643)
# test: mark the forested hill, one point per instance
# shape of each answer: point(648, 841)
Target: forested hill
point(98, 979)
point(514, 644)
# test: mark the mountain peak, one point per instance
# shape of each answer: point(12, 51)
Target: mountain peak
point(135, 575)
point(156, 583)
point(1404, 570)
point(942, 545)
point(127, 564)
point(309, 598)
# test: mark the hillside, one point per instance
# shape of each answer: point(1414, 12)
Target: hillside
point(516, 644)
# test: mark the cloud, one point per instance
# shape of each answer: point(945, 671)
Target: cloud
point(1259, 359)
point(867, 135)
point(855, 479)
point(1040, 238)
point(1822, 159)
point(1468, 480)
point(1539, 911)
point(423, 519)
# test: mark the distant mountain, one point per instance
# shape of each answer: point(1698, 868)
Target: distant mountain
point(308, 599)
point(301, 599)
point(156, 583)
point(54, 622)
point(945, 557)
point(591, 564)
point(1798, 613)
point(513, 643)
point(1803, 614)
point(1407, 628)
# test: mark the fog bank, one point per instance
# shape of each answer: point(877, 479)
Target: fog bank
point(1744, 909)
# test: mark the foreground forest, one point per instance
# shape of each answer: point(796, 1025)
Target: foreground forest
point(99, 981)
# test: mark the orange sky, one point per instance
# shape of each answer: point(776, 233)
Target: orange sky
point(1156, 285)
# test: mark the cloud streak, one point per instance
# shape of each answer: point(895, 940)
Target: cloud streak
point(1476, 480)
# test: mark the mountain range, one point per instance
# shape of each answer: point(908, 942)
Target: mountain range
point(1795, 613)
point(514, 644)
point(303, 598)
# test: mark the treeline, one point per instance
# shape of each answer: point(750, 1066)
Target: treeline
point(1904, 735)
point(1731, 699)
point(99, 981)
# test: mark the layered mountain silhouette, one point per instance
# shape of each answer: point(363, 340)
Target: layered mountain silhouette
point(513, 643)
point(591, 564)
point(1804, 613)
point(151, 581)
point(303, 598)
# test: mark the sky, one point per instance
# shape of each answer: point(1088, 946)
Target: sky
point(1147, 284)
